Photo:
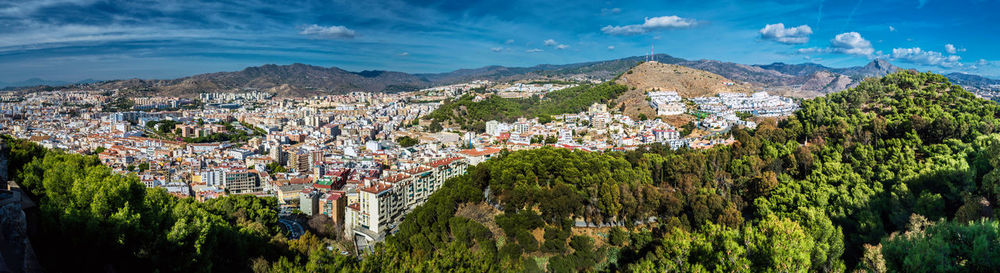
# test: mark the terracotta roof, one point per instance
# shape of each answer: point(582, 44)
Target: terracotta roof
point(377, 188)
point(417, 170)
point(396, 178)
point(304, 180)
point(333, 196)
point(480, 152)
point(442, 162)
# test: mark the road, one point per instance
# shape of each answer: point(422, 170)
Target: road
point(294, 228)
point(581, 223)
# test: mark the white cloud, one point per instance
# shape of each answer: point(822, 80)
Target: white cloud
point(329, 32)
point(509, 41)
point(496, 49)
point(553, 43)
point(404, 54)
point(851, 43)
point(951, 49)
point(793, 35)
point(650, 24)
point(606, 11)
point(916, 55)
point(611, 47)
point(892, 29)
point(846, 43)
point(534, 50)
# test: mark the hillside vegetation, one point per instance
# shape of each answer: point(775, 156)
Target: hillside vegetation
point(92, 220)
point(468, 114)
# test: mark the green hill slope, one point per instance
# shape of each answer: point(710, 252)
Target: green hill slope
point(468, 114)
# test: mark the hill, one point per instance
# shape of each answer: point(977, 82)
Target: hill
point(39, 82)
point(687, 82)
point(469, 114)
point(656, 76)
point(293, 80)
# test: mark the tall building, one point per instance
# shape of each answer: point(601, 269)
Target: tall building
point(493, 128)
point(210, 178)
point(241, 181)
point(277, 154)
point(298, 161)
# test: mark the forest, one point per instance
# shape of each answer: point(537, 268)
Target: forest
point(468, 114)
point(898, 174)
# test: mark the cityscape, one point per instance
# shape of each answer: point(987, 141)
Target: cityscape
point(342, 157)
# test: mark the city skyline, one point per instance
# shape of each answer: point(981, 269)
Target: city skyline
point(76, 40)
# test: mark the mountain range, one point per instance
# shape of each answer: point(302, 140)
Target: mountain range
point(40, 82)
point(801, 80)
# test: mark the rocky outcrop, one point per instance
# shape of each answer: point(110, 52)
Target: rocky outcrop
point(16, 253)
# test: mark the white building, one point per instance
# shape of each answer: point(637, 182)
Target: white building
point(666, 103)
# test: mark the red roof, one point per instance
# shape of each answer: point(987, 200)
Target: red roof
point(480, 152)
point(377, 188)
point(396, 178)
point(333, 196)
point(304, 180)
point(442, 162)
point(417, 170)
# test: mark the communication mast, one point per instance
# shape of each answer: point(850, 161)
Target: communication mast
point(652, 55)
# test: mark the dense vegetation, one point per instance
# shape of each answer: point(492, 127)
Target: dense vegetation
point(92, 220)
point(896, 175)
point(472, 115)
point(407, 141)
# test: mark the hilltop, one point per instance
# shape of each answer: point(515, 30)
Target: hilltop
point(656, 76)
point(687, 82)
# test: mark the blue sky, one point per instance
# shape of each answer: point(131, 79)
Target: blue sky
point(77, 39)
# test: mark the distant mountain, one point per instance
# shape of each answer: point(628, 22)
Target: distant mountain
point(296, 80)
point(600, 70)
point(804, 69)
point(876, 68)
point(974, 82)
point(40, 82)
point(293, 80)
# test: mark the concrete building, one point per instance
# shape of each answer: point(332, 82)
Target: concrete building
point(241, 181)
